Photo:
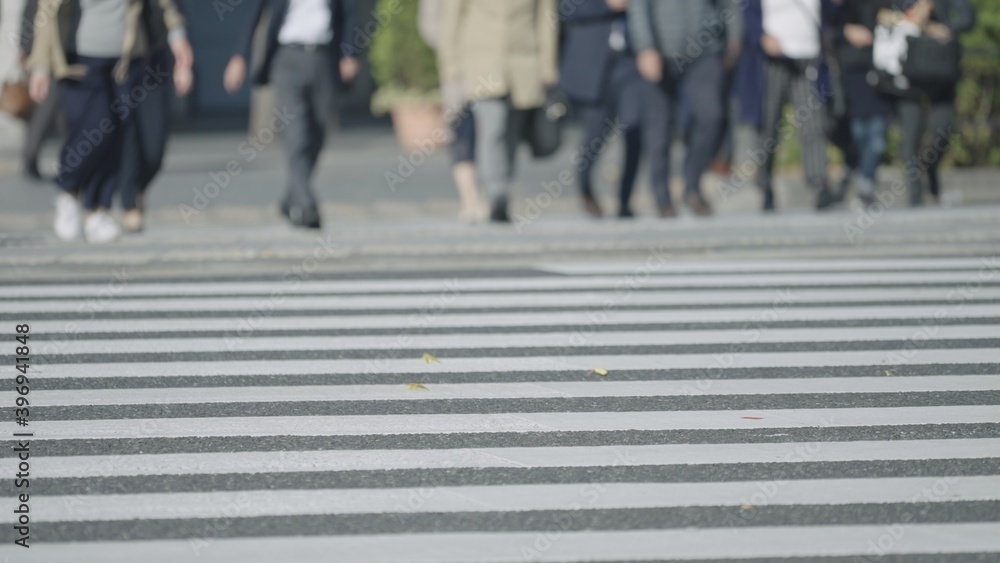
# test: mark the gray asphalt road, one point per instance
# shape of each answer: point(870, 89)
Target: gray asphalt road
point(743, 390)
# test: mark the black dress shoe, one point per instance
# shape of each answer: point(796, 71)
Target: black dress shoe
point(769, 200)
point(825, 199)
point(626, 213)
point(498, 213)
point(303, 217)
point(698, 205)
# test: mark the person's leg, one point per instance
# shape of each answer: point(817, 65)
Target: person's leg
point(777, 77)
point(628, 97)
point(463, 169)
point(911, 121)
point(810, 114)
point(659, 102)
point(940, 122)
point(86, 103)
point(492, 120)
point(703, 82)
point(42, 118)
point(292, 79)
point(594, 118)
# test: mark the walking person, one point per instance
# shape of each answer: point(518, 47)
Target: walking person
point(684, 46)
point(504, 54)
point(458, 115)
point(868, 109)
point(304, 60)
point(599, 74)
point(97, 71)
point(931, 110)
point(146, 135)
point(784, 63)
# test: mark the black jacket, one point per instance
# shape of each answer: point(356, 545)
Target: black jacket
point(342, 22)
point(586, 61)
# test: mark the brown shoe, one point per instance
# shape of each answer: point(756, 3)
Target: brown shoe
point(591, 206)
point(132, 221)
point(698, 205)
point(668, 212)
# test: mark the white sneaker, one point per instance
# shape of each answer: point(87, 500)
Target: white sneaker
point(67, 224)
point(100, 228)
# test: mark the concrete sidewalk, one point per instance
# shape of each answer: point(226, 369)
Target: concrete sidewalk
point(219, 177)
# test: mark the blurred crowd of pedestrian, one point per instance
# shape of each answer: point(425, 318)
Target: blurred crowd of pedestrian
point(646, 72)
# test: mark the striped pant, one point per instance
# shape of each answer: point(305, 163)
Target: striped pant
point(786, 81)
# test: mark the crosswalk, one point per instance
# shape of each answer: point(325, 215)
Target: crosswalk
point(738, 411)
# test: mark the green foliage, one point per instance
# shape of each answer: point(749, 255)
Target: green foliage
point(978, 129)
point(403, 66)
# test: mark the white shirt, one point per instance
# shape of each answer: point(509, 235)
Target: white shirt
point(307, 22)
point(795, 24)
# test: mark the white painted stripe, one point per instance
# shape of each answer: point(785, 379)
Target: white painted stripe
point(584, 364)
point(990, 264)
point(744, 337)
point(567, 389)
point(740, 279)
point(580, 456)
point(660, 545)
point(508, 498)
point(376, 425)
point(502, 319)
point(602, 300)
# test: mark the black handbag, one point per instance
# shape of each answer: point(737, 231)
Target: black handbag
point(932, 62)
point(544, 128)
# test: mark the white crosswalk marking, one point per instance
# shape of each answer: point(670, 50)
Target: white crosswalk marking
point(718, 412)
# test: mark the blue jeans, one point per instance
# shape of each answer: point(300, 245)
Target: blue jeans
point(870, 138)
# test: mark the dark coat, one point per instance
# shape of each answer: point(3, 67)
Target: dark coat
point(587, 59)
point(343, 24)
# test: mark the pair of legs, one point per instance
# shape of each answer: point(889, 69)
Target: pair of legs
point(90, 159)
point(791, 81)
point(499, 127)
point(703, 82)
point(869, 134)
point(618, 114)
point(146, 140)
point(304, 83)
point(938, 118)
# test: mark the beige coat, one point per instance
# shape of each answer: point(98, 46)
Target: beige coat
point(53, 22)
point(501, 47)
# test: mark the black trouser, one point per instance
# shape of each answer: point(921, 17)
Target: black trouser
point(96, 118)
point(303, 80)
point(703, 81)
point(619, 113)
point(915, 123)
point(41, 121)
point(146, 135)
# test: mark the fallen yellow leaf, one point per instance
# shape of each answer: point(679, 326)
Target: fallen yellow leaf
point(600, 372)
point(416, 387)
point(888, 373)
point(746, 506)
point(431, 359)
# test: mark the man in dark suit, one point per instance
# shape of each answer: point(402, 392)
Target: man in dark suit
point(598, 72)
point(303, 61)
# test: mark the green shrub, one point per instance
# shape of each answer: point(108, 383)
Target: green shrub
point(977, 141)
point(403, 66)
